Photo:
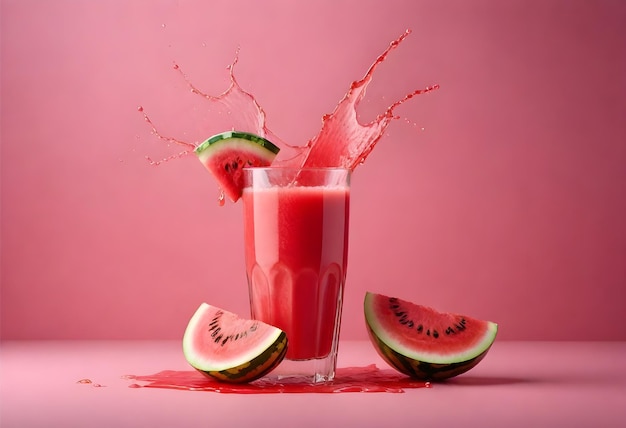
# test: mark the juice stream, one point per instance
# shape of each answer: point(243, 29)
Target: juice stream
point(343, 141)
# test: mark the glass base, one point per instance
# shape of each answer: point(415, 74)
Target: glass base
point(313, 371)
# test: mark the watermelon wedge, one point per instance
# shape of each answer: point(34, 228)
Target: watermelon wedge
point(226, 154)
point(225, 347)
point(423, 343)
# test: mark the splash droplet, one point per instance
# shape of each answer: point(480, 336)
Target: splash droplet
point(84, 381)
point(221, 199)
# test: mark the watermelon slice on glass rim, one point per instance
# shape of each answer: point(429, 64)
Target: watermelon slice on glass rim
point(226, 154)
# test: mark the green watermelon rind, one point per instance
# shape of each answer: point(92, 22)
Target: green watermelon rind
point(420, 364)
point(246, 138)
point(421, 369)
point(248, 366)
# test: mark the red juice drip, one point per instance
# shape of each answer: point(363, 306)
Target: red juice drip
point(348, 379)
point(343, 141)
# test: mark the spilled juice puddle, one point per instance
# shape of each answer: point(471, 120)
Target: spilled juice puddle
point(348, 379)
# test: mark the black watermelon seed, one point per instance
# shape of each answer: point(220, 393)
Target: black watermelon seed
point(435, 334)
point(410, 324)
point(215, 332)
point(428, 332)
point(420, 328)
point(218, 338)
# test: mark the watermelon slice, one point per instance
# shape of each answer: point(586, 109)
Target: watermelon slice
point(226, 154)
point(225, 347)
point(424, 343)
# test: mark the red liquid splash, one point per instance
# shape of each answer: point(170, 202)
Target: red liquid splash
point(245, 113)
point(348, 379)
point(343, 141)
point(357, 140)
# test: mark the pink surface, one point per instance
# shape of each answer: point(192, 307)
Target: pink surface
point(518, 384)
point(502, 195)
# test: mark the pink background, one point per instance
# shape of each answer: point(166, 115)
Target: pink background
point(509, 204)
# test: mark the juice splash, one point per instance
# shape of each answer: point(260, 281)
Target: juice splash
point(241, 107)
point(349, 379)
point(342, 141)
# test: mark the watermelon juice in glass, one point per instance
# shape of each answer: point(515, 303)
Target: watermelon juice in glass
point(296, 250)
point(295, 212)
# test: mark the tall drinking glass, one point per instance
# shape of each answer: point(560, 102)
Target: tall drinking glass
point(296, 251)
